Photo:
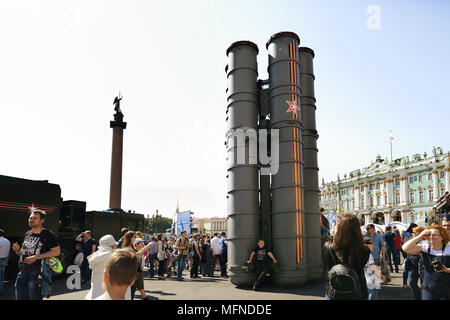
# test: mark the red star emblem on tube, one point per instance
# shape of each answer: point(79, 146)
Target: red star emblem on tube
point(293, 106)
point(32, 208)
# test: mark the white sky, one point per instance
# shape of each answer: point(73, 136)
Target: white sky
point(63, 62)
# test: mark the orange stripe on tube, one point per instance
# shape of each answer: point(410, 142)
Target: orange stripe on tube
point(293, 78)
point(291, 54)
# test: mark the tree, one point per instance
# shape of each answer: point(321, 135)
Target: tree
point(157, 224)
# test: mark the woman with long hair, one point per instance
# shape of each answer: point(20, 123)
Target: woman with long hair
point(348, 249)
point(128, 239)
point(432, 245)
point(197, 256)
point(205, 265)
point(161, 255)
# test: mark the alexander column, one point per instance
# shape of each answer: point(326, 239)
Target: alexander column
point(115, 194)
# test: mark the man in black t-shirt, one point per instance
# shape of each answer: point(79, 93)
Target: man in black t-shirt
point(38, 244)
point(260, 257)
point(89, 245)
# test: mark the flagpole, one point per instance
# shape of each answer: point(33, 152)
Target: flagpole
point(391, 148)
point(390, 141)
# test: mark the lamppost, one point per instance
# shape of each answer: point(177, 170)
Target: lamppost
point(156, 221)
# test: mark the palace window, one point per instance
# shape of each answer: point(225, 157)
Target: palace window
point(353, 204)
point(430, 176)
point(420, 178)
point(430, 195)
point(378, 200)
point(397, 182)
point(441, 174)
point(397, 198)
point(420, 196)
point(362, 189)
point(385, 199)
point(371, 202)
point(442, 191)
point(361, 203)
point(378, 185)
point(411, 179)
point(411, 197)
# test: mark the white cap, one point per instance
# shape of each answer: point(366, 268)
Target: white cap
point(108, 241)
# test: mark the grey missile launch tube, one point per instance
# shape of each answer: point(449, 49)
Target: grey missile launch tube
point(310, 167)
point(288, 223)
point(243, 187)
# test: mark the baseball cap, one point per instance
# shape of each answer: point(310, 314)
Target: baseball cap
point(138, 240)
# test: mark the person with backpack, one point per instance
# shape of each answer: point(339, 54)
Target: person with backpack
point(344, 260)
point(182, 245)
point(38, 245)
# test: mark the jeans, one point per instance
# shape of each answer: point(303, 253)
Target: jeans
point(27, 287)
point(2, 272)
point(181, 264)
point(405, 273)
point(152, 258)
point(373, 293)
point(413, 278)
point(85, 271)
point(433, 293)
point(392, 254)
point(133, 290)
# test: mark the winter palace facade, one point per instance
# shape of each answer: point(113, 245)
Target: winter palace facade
point(403, 190)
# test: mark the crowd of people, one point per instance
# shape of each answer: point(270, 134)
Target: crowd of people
point(164, 255)
point(357, 265)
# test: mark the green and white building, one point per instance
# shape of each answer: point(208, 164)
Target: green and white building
point(403, 190)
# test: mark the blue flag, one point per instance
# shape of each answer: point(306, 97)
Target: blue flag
point(184, 222)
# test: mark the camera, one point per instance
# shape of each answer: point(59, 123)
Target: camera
point(437, 264)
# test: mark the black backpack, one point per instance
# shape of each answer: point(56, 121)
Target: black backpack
point(343, 281)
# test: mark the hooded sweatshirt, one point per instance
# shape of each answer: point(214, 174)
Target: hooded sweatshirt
point(97, 262)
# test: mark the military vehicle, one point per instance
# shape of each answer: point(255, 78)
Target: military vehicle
point(66, 219)
point(440, 210)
